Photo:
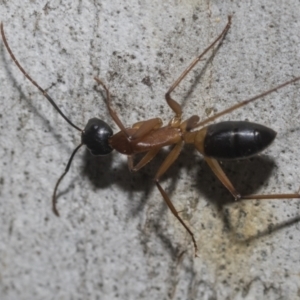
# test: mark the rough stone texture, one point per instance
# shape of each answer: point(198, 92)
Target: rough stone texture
point(115, 238)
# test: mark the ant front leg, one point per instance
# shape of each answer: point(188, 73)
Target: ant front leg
point(112, 113)
point(144, 161)
point(143, 128)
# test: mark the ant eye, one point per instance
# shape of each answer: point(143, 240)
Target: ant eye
point(96, 135)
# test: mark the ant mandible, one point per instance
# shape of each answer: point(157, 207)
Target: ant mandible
point(230, 140)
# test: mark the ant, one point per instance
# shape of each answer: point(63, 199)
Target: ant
point(229, 140)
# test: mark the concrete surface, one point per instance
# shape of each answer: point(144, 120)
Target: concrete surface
point(115, 238)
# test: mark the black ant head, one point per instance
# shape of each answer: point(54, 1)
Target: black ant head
point(96, 135)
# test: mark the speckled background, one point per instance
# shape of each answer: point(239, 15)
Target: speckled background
point(115, 238)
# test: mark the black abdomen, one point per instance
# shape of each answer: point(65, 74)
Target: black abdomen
point(235, 140)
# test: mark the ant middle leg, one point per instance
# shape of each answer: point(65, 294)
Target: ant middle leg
point(171, 102)
point(172, 156)
point(143, 128)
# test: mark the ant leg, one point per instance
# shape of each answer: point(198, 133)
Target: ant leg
point(169, 160)
point(245, 102)
point(144, 127)
point(112, 113)
point(157, 122)
point(172, 103)
point(130, 162)
point(175, 213)
point(145, 160)
point(271, 196)
point(163, 168)
point(216, 168)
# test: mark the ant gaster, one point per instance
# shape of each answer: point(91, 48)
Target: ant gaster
point(221, 141)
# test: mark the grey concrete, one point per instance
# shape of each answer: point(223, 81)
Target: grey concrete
point(115, 238)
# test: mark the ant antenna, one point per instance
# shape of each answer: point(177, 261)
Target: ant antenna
point(57, 109)
point(60, 179)
point(33, 82)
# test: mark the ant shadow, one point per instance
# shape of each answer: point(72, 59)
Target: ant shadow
point(246, 175)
